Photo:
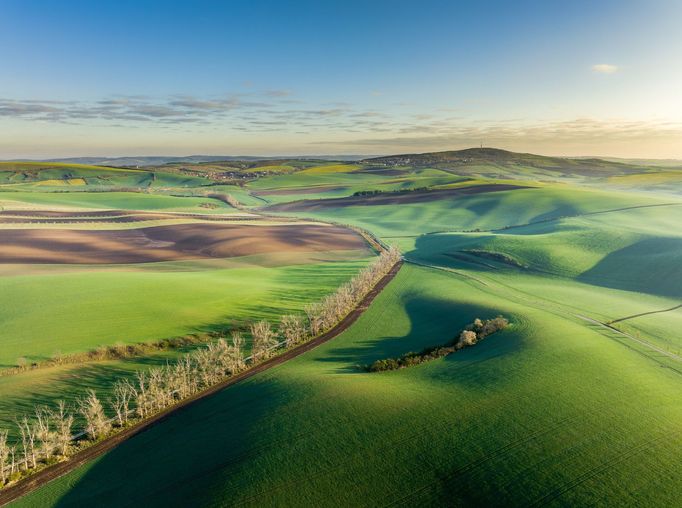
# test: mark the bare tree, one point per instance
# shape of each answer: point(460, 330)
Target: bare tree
point(143, 401)
point(96, 422)
point(263, 339)
point(238, 351)
point(312, 312)
point(12, 460)
point(4, 457)
point(292, 329)
point(63, 422)
point(45, 432)
point(28, 443)
point(124, 393)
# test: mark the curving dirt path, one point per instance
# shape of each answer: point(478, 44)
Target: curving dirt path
point(57, 470)
point(644, 314)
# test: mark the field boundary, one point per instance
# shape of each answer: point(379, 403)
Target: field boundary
point(631, 337)
point(644, 314)
point(55, 471)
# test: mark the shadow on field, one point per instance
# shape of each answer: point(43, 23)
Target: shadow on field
point(444, 249)
point(433, 321)
point(184, 461)
point(21, 394)
point(649, 266)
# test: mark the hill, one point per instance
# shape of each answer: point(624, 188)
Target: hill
point(475, 160)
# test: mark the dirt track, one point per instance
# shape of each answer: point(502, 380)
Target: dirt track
point(57, 470)
point(299, 190)
point(170, 243)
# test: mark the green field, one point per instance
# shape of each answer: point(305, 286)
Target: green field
point(113, 200)
point(556, 410)
point(485, 211)
point(57, 176)
point(517, 420)
point(91, 306)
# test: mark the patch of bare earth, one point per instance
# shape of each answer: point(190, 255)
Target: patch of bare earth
point(170, 243)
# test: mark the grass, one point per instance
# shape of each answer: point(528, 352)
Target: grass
point(60, 166)
point(20, 394)
point(331, 168)
point(112, 200)
point(484, 211)
point(83, 307)
point(547, 412)
point(49, 175)
point(552, 411)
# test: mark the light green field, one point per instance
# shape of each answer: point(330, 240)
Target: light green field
point(550, 412)
point(637, 250)
point(490, 210)
point(319, 184)
point(69, 309)
point(20, 394)
point(113, 200)
point(331, 168)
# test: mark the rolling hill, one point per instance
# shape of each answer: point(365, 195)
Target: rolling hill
point(493, 161)
point(576, 403)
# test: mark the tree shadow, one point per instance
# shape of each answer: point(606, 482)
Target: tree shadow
point(70, 383)
point(433, 321)
point(184, 459)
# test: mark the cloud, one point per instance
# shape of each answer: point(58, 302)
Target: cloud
point(278, 93)
point(605, 68)
point(339, 126)
point(578, 135)
point(176, 109)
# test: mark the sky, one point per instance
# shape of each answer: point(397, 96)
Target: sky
point(256, 77)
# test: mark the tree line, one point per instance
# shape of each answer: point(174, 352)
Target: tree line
point(476, 331)
point(48, 434)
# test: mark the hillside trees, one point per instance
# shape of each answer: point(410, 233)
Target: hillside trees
point(470, 336)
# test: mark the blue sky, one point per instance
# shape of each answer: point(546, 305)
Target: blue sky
point(265, 77)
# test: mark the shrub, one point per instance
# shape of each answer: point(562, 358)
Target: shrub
point(470, 336)
point(466, 338)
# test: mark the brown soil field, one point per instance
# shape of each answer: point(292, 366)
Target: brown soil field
point(170, 243)
point(391, 198)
